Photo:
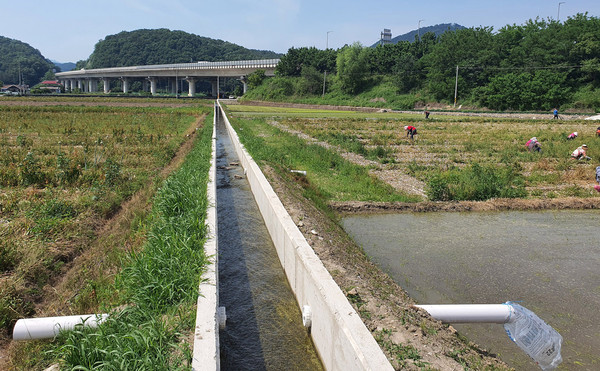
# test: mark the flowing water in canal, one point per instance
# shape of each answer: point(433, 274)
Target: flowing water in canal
point(264, 324)
point(550, 260)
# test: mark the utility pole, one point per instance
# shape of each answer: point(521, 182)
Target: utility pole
point(558, 14)
point(325, 72)
point(456, 87)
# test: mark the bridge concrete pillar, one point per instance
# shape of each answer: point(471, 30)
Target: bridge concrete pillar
point(173, 84)
point(191, 86)
point(125, 81)
point(106, 82)
point(89, 88)
point(215, 87)
point(153, 81)
point(244, 81)
point(80, 85)
point(92, 85)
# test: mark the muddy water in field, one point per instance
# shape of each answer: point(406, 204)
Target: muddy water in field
point(549, 260)
point(264, 324)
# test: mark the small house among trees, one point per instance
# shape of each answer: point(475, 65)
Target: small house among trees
point(13, 89)
point(50, 86)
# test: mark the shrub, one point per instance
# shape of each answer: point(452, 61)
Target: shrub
point(476, 183)
point(30, 170)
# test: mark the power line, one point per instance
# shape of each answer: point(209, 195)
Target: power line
point(523, 68)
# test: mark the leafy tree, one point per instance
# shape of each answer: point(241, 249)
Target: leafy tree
point(255, 78)
point(540, 90)
point(294, 60)
point(352, 68)
point(49, 75)
point(311, 81)
point(470, 48)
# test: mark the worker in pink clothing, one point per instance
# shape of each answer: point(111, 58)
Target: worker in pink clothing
point(571, 136)
point(533, 145)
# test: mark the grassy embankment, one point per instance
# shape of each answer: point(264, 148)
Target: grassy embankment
point(68, 169)
point(459, 158)
point(381, 94)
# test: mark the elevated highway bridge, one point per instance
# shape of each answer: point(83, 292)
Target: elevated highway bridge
point(86, 80)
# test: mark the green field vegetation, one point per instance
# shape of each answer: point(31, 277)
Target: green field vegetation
point(329, 178)
point(459, 158)
point(63, 171)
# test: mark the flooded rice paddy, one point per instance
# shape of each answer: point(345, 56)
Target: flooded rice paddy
point(264, 328)
point(550, 261)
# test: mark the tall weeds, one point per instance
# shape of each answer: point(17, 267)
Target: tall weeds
point(476, 183)
point(158, 286)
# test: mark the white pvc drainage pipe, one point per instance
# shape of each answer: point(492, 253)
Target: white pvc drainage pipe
point(49, 327)
point(470, 313)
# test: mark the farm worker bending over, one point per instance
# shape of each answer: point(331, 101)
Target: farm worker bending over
point(580, 153)
point(597, 187)
point(572, 136)
point(410, 130)
point(598, 132)
point(533, 145)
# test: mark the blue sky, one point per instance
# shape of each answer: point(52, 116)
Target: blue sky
point(66, 31)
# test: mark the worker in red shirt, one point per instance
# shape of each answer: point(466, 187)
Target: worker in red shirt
point(410, 130)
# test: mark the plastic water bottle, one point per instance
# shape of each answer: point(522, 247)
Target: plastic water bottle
point(538, 339)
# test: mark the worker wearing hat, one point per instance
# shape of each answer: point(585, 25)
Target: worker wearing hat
point(533, 145)
point(573, 135)
point(580, 153)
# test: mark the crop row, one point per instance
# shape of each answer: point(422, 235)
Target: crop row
point(63, 171)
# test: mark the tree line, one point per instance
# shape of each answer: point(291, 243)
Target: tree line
point(163, 46)
point(535, 66)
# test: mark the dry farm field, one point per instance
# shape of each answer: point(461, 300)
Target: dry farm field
point(486, 146)
point(65, 170)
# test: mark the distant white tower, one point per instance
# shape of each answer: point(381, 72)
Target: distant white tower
point(386, 36)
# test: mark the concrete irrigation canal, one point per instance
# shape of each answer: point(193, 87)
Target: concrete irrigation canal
point(264, 324)
point(284, 310)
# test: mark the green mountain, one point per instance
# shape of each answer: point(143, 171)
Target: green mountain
point(163, 46)
point(64, 67)
point(437, 29)
point(18, 57)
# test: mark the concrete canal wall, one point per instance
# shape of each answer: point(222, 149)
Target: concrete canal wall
point(339, 335)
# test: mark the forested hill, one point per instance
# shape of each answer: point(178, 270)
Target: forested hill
point(163, 46)
point(539, 65)
point(16, 55)
point(438, 29)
